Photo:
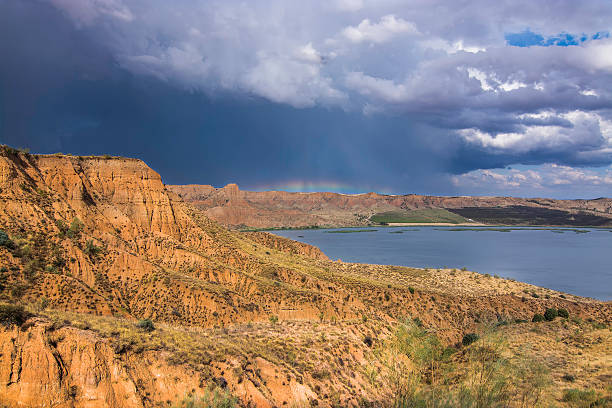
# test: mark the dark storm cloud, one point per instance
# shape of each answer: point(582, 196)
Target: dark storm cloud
point(374, 94)
point(59, 95)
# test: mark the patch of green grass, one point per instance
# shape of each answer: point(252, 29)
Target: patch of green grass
point(584, 398)
point(217, 398)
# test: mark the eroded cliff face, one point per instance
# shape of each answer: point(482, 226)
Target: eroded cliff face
point(43, 364)
point(46, 366)
point(104, 236)
point(276, 209)
point(147, 243)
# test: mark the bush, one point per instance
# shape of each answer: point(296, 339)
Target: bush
point(13, 315)
point(587, 397)
point(5, 241)
point(211, 399)
point(469, 339)
point(76, 227)
point(146, 325)
point(537, 318)
point(568, 378)
point(273, 319)
point(92, 250)
point(550, 314)
point(563, 313)
point(411, 290)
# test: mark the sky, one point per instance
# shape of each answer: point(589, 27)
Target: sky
point(443, 97)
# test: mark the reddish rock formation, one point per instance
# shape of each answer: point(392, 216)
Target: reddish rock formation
point(274, 209)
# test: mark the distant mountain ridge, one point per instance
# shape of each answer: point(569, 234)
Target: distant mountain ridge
point(275, 209)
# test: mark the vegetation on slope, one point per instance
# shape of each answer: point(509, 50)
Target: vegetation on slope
point(365, 362)
point(523, 215)
point(422, 216)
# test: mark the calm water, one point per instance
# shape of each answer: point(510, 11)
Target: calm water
point(578, 263)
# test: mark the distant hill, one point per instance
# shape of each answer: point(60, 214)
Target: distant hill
point(276, 209)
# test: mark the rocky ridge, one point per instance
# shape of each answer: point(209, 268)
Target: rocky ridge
point(237, 208)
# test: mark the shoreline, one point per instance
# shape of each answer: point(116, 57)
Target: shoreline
point(420, 224)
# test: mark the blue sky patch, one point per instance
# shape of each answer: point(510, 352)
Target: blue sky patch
point(528, 38)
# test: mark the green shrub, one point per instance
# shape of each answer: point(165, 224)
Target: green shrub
point(146, 325)
point(42, 303)
point(13, 315)
point(563, 313)
point(92, 250)
point(411, 290)
point(469, 339)
point(537, 318)
point(584, 398)
point(273, 319)
point(76, 227)
point(550, 314)
point(5, 241)
point(211, 399)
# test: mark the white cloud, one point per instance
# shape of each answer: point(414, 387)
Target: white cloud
point(383, 31)
point(307, 53)
point(288, 81)
point(551, 179)
point(381, 89)
point(448, 47)
point(588, 131)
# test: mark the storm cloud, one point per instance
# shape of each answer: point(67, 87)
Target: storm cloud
point(378, 95)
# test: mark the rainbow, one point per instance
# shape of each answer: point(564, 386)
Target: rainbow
point(306, 186)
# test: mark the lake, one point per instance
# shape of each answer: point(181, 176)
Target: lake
point(577, 261)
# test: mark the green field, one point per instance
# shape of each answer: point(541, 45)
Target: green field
point(424, 216)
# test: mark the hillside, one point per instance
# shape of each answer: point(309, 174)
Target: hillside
point(91, 246)
point(236, 208)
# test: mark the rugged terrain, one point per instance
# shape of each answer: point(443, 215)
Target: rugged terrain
point(93, 246)
point(236, 208)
